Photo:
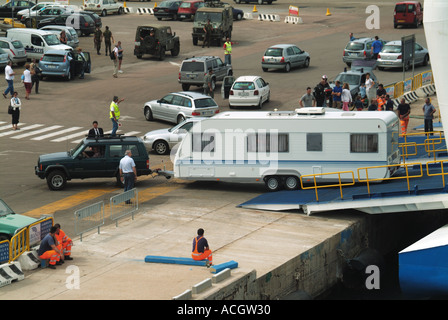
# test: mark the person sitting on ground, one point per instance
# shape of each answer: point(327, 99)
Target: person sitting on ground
point(64, 243)
point(201, 250)
point(48, 249)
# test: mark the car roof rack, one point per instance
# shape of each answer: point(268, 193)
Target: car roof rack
point(108, 136)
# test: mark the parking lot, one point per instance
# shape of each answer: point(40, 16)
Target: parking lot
point(77, 103)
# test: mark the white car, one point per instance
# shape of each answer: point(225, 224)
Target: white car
point(15, 50)
point(34, 11)
point(163, 140)
point(72, 36)
point(391, 56)
point(249, 91)
point(103, 7)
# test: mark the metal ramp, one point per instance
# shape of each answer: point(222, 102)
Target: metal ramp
point(426, 192)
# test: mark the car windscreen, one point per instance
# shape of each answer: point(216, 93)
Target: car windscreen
point(4, 209)
point(203, 16)
point(400, 8)
point(351, 79)
point(193, 66)
point(53, 58)
point(204, 103)
point(274, 52)
point(17, 44)
point(246, 85)
point(355, 46)
point(391, 49)
point(51, 39)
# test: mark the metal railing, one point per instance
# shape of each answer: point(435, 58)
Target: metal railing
point(315, 186)
point(123, 204)
point(89, 218)
point(442, 172)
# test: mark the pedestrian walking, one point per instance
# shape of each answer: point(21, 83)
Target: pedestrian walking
point(308, 99)
point(16, 106)
point(377, 45)
point(115, 53)
point(370, 88)
point(97, 39)
point(403, 111)
point(9, 77)
point(428, 112)
point(208, 28)
point(128, 172)
point(201, 249)
point(27, 81)
point(120, 56)
point(115, 114)
point(108, 40)
point(35, 75)
point(346, 96)
point(208, 84)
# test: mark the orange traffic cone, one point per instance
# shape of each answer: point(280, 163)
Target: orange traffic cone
point(328, 12)
point(255, 9)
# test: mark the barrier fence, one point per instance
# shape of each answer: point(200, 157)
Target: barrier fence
point(420, 80)
point(89, 218)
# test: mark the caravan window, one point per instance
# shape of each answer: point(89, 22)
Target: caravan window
point(314, 142)
point(364, 143)
point(203, 142)
point(265, 142)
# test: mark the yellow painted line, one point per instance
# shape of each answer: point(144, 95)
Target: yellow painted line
point(68, 202)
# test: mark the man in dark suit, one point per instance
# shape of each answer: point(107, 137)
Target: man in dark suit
point(96, 131)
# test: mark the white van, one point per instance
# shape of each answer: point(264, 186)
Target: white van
point(36, 42)
point(278, 147)
point(72, 36)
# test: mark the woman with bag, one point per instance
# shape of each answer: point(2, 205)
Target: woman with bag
point(16, 105)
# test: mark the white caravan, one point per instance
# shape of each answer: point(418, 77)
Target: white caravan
point(277, 148)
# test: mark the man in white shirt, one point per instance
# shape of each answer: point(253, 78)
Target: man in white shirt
point(9, 77)
point(116, 61)
point(128, 173)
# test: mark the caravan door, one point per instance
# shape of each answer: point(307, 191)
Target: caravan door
point(227, 83)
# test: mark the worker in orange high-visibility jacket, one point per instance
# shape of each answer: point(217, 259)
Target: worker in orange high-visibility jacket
point(48, 249)
point(64, 242)
point(201, 250)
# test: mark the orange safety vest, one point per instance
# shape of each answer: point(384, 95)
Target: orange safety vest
point(381, 102)
point(195, 251)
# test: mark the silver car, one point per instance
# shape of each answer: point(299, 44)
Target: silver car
point(358, 49)
point(391, 56)
point(163, 140)
point(72, 36)
point(15, 50)
point(284, 56)
point(177, 106)
point(4, 58)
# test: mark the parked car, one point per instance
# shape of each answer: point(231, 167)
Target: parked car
point(15, 50)
point(8, 11)
point(249, 91)
point(177, 106)
point(284, 56)
point(359, 49)
point(167, 9)
point(4, 58)
point(238, 14)
point(50, 12)
point(103, 7)
point(79, 162)
point(188, 8)
point(163, 140)
point(163, 40)
point(95, 17)
point(65, 64)
point(72, 36)
point(408, 13)
point(391, 56)
point(85, 26)
point(257, 1)
point(193, 70)
point(11, 222)
point(35, 9)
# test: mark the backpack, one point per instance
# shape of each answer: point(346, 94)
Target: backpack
point(112, 55)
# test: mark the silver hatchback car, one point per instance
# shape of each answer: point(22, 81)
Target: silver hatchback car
point(284, 56)
point(358, 49)
point(177, 106)
point(15, 50)
point(391, 56)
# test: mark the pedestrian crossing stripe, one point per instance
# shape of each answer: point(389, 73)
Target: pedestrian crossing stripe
point(37, 132)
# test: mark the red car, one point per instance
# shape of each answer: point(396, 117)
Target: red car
point(408, 13)
point(188, 8)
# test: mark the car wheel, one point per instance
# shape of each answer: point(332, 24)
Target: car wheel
point(273, 183)
point(291, 183)
point(148, 114)
point(307, 63)
point(175, 51)
point(425, 60)
point(161, 147)
point(381, 68)
point(162, 53)
point(104, 13)
point(288, 67)
point(265, 69)
point(56, 180)
point(185, 87)
point(269, 96)
point(213, 84)
point(260, 103)
point(180, 118)
point(260, 2)
point(139, 56)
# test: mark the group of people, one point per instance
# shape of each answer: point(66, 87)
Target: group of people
point(116, 53)
point(56, 247)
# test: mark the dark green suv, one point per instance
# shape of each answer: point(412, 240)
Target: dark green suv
point(92, 158)
point(156, 40)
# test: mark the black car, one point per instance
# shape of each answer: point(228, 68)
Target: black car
point(43, 14)
point(7, 11)
point(96, 18)
point(167, 9)
point(93, 157)
point(82, 23)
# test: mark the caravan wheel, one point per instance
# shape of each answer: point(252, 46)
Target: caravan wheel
point(291, 183)
point(273, 183)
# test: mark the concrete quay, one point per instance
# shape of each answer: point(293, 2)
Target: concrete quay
point(277, 252)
